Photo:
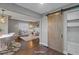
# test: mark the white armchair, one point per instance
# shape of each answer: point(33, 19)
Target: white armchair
point(8, 46)
point(5, 40)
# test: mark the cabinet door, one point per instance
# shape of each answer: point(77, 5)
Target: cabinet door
point(73, 15)
point(73, 32)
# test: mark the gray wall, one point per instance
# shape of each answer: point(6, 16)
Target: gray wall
point(13, 25)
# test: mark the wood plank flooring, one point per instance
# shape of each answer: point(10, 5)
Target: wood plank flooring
point(34, 48)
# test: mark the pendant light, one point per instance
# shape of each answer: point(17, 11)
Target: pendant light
point(2, 17)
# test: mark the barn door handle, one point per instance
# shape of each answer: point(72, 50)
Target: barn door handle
point(61, 35)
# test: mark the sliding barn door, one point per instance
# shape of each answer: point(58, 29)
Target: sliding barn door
point(55, 31)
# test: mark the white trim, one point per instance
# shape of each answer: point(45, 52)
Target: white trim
point(44, 44)
point(65, 52)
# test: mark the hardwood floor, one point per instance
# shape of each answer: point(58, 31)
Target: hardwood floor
point(34, 48)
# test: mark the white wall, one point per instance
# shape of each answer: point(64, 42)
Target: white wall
point(44, 31)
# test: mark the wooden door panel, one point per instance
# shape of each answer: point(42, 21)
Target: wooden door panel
point(55, 29)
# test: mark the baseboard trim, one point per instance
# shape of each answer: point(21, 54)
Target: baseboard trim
point(44, 44)
point(65, 52)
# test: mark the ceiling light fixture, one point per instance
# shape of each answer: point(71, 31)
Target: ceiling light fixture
point(2, 17)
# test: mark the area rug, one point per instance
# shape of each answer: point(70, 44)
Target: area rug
point(40, 51)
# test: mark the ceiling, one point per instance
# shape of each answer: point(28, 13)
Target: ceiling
point(42, 8)
point(32, 11)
